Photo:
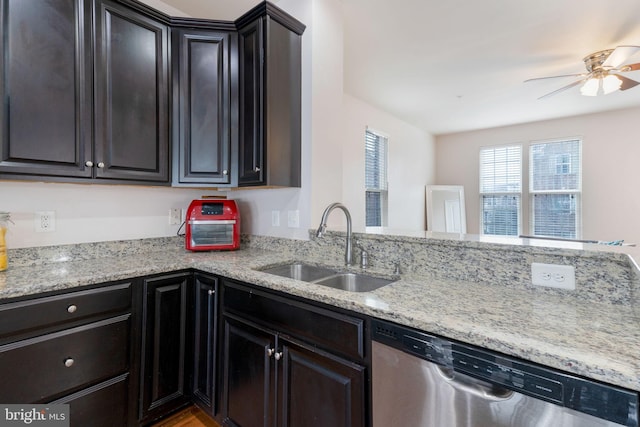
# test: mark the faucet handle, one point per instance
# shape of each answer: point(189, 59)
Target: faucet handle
point(364, 259)
point(397, 269)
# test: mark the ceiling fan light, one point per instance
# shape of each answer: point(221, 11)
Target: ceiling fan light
point(590, 88)
point(611, 83)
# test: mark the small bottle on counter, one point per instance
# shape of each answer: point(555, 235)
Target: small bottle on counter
point(5, 218)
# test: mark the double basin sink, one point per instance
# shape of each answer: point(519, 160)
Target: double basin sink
point(325, 276)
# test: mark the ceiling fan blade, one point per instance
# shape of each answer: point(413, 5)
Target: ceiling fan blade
point(630, 67)
point(555, 77)
point(563, 88)
point(627, 83)
point(619, 55)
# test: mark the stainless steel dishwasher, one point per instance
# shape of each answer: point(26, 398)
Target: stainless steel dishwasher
point(420, 380)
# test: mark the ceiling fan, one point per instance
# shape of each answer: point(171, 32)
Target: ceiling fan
point(602, 72)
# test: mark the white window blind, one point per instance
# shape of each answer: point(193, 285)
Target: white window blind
point(555, 181)
point(500, 189)
point(375, 179)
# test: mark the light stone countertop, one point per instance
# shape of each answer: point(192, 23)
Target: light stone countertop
point(593, 339)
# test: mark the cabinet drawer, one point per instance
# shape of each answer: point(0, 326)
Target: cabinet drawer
point(332, 331)
point(102, 405)
point(24, 316)
point(36, 369)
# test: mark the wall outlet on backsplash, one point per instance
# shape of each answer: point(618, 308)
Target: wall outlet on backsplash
point(553, 276)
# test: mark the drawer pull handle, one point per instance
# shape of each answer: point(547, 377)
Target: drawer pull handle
point(68, 362)
point(72, 308)
point(278, 356)
point(270, 352)
point(211, 292)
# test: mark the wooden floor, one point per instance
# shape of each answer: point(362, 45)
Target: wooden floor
point(190, 417)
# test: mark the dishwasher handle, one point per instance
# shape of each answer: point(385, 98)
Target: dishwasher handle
point(474, 386)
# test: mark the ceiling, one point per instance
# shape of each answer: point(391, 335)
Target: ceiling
point(458, 65)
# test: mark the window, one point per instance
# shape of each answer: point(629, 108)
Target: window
point(375, 179)
point(554, 187)
point(500, 189)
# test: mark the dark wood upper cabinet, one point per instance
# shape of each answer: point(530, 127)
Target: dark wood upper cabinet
point(45, 85)
point(204, 99)
point(114, 91)
point(131, 94)
point(270, 70)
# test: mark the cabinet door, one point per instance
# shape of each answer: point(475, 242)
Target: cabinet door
point(205, 339)
point(250, 154)
point(249, 389)
point(45, 75)
point(131, 95)
point(309, 377)
point(164, 332)
point(270, 101)
point(202, 81)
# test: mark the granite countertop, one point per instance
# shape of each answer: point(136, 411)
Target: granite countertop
point(592, 339)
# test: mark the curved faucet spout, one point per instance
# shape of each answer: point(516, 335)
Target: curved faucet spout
point(323, 226)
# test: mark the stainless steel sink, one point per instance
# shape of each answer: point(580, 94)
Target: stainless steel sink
point(352, 282)
point(300, 271)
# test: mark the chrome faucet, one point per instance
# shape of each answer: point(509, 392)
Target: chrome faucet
point(323, 226)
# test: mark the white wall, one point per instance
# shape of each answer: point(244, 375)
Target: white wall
point(611, 167)
point(411, 165)
point(327, 167)
point(90, 213)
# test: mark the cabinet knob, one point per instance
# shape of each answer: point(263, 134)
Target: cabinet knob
point(101, 165)
point(88, 164)
point(270, 352)
point(278, 355)
point(225, 172)
point(72, 308)
point(257, 169)
point(68, 362)
point(211, 292)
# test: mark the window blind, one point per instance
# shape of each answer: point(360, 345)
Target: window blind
point(375, 161)
point(501, 169)
point(500, 189)
point(375, 179)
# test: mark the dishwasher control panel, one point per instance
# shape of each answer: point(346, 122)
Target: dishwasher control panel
point(588, 396)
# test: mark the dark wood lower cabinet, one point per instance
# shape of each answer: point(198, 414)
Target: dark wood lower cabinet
point(249, 388)
point(271, 381)
point(103, 405)
point(318, 389)
point(71, 348)
point(165, 330)
point(205, 340)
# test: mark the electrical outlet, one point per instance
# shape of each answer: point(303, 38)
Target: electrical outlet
point(44, 221)
point(174, 216)
point(553, 276)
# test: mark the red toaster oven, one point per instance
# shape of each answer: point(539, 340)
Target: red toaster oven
point(212, 225)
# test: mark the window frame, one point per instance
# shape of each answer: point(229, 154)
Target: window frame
point(517, 194)
point(382, 189)
point(575, 193)
point(527, 203)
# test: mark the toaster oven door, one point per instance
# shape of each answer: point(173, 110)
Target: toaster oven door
point(211, 233)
